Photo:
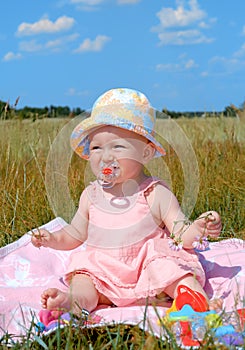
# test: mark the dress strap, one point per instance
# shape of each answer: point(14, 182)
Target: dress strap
point(150, 183)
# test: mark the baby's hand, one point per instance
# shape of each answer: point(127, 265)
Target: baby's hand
point(40, 238)
point(209, 224)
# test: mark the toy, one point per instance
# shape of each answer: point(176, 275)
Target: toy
point(187, 304)
point(194, 324)
point(187, 296)
point(187, 313)
point(52, 319)
point(193, 298)
point(241, 313)
point(190, 318)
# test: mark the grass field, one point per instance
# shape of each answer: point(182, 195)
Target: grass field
point(216, 145)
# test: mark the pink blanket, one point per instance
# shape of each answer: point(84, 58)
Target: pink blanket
point(26, 271)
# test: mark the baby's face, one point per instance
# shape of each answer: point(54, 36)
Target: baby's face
point(110, 143)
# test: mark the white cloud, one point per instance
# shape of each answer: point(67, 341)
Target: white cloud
point(50, 45)
point(208, 23)
point(221, 66)
point(30, 46)
point(54, 44)
point(91, 5)
point(10, 56)
point(188, 19)
point(45, 26)
point(58, 44)
point(180, 17)
point(225, 61)
point(86, 5)
point(168, 67)
point(73, 92)
point(240, 52)
point(176, 67)
point(204, 74)
point(203, 25)
point(190, 64)
point(93, 45)
point(183, 37)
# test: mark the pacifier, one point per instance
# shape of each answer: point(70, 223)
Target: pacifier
point(109, 172)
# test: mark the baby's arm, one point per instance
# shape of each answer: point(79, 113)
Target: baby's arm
point(70, 236)
point(60, 240)
point(207, 224)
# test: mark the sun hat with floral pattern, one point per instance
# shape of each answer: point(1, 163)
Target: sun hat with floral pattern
point(124, 108)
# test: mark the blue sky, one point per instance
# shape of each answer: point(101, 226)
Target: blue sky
point(185, 55)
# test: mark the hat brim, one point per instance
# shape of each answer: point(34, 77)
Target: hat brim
point(80, 136)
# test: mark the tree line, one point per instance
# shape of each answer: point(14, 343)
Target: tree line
point(8, 111)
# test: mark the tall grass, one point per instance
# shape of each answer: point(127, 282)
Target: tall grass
point(218, 146)
point(24, 147)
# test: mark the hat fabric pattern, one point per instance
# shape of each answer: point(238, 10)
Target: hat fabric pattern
point(124, 108)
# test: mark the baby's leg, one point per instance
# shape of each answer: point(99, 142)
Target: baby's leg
point(191, 282)
point(82, 294)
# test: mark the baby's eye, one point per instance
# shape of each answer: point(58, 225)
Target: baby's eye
point(94, 148)
point(119, 146)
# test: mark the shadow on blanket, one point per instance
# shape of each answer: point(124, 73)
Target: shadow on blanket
point(215, 272)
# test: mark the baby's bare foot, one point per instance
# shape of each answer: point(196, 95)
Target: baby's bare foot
point(215, 304)
point(55, 299)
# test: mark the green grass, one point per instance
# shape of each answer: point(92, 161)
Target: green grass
point(110, 337)
point(218, 145)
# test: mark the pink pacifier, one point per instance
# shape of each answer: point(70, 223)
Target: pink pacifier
point(108, 174)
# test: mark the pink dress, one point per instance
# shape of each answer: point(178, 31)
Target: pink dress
point(127, 254)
